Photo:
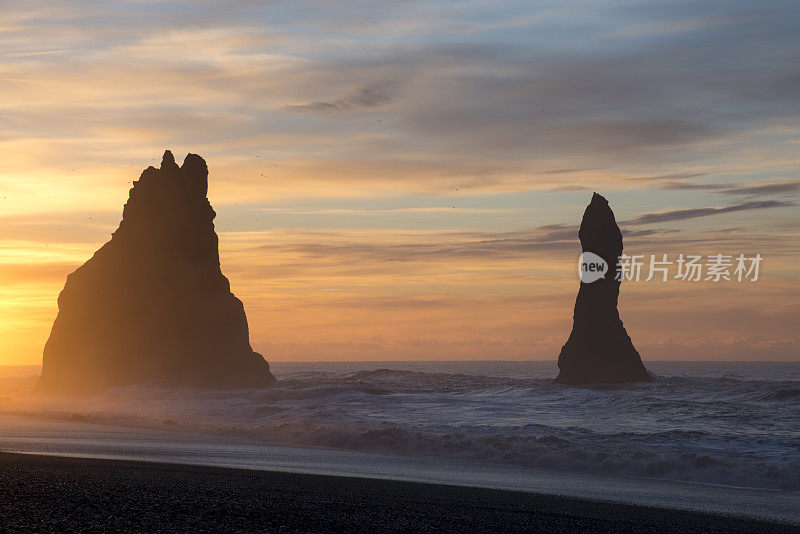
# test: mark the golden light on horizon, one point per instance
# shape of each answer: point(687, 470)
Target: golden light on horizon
point(406, 194)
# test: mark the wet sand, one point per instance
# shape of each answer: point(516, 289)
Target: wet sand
point(58, 494)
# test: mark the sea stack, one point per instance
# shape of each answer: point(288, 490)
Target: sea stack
point(152, 304)
point(599, 349)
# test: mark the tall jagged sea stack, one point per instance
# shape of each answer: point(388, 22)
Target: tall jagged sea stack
point(599, 349)
point(152, 304)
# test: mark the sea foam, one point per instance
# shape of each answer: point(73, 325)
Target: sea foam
point(719, 423)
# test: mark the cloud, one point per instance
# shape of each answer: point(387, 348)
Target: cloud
point(490, 246)
point(62, 227)
point(671, 177)
point(765, 189)
point(684, 186)
point(693, 213)
point(679, 183)
point(367, 97)
point(41, 275)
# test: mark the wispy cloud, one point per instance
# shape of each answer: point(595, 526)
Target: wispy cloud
point(367, 97)
point(774, 188)
point(446, 248)
point(682, 183)
point(693, 213)
point(670, 178)
point(689, 186)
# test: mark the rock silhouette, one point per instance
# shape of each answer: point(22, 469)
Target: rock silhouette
point(599, 349)
point(152, 304)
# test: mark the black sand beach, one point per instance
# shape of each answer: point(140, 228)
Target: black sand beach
point(55, 494)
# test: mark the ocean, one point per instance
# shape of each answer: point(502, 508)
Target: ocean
point(697, 425)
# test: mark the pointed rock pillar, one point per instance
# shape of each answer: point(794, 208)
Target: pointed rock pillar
point(599, 349)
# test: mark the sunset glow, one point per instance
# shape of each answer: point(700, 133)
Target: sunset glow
point(407, 184)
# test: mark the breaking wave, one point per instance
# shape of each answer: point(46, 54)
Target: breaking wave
point(721, 423)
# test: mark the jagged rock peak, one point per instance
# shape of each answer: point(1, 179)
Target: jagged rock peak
point(168, 160)
point(152, 304)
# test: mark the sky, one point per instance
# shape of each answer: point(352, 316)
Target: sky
point(403, 180)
